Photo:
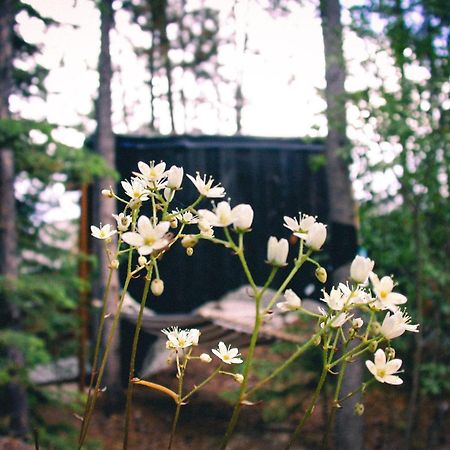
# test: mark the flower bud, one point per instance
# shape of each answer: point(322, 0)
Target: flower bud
point(157, 287)
point(375, 328)
point(189, 251)
point(114, 264)
point(321, 274)
point(360, 269)
point(277, 251)
point(373, 346)
point(242, 217)
point(358, 409)
point(174, 223)
point(390, 353)
point(107, 193)
point(142, 260)
point(189, 241)
point(174, 177)
point(239, 378)
point(317, 340)
point(204, 357)
point(316, 236)
point(357, 323)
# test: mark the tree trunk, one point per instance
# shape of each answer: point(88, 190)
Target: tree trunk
point(342, 229)
point(18, 404)
point(105, 207)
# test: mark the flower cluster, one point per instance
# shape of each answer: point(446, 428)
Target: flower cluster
point(354, 302)
point(149, 226)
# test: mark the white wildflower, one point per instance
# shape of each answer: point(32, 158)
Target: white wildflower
point(386, 299)
point(148, 237)
point(179, 339)
point(206, 187)
point(151, 173)
point(227, 354)
point(104, 232)
point(123, 221)
point(292, 301)
point(136, 190)
point(396, 324)
point(384, 371)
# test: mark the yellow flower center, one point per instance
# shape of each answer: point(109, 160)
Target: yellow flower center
point(226, 357)
point(383, 294)
point(381, 373)
point(149, 241)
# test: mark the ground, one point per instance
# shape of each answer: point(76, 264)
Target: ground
point(203, 421)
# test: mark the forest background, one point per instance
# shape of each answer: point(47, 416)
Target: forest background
point(247, 67)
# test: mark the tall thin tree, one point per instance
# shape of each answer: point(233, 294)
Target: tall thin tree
point(19, 423)
point(342, 209)
point(104, 208)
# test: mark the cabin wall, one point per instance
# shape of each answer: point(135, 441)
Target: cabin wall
point(272, 175)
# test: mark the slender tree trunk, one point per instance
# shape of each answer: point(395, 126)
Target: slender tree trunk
point(343, 235)
point(18, 404)
point(158, 10)
point(151, 66)
point(105, 207)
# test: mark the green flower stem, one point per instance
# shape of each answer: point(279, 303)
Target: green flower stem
point(203, 383)
point(180, 370)
point(137, 331)
point(240, 252)
point(256, 328)
point(325, 359)
point(87, 418)
point(298, 264)
point(191, 207)
point(311, 406)
point(362, 388)
point(230, 239)
point(248, 360)
point(356, 351)
point(300, 350)
point(335, 404)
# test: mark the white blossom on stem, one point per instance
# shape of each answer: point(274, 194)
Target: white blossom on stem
point(227, 354)
point(174, 177)
point(292, 301)
point(360, 269)
point(123, 221)
point(136, 190)
point(386, 299)
point(242, 217)
point(148, 237)
point(151, 173)
point(316, 236)
point(220, 217)
point(206, 187)
point(277, 251)
point(299, 227)
point(396, 324)
point(384, 371)
point(104, 232)
point(178, 339)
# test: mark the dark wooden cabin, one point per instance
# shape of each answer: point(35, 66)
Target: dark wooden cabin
point(276, 176)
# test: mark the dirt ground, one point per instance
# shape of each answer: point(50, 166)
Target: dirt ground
point(203, 421)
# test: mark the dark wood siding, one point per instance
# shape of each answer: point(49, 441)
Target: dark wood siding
point(273, 175)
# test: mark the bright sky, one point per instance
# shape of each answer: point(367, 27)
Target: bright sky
point(282, 73)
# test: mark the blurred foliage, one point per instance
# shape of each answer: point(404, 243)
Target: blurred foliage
point(405, 227)
point(283, 396)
